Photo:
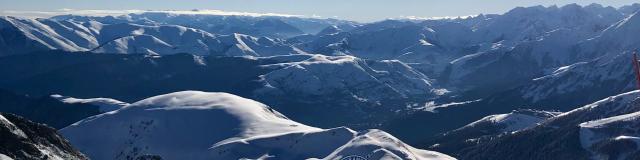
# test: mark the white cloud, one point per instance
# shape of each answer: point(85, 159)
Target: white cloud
point(64, 11)
point(435, 18)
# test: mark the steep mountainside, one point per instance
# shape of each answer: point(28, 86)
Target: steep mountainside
point(23, 139)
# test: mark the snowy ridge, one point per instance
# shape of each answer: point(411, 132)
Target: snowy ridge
point(612, 132)
point(222, 126)
point(105, 104)
point(619, 132)
point(487, 129)
point(516, 120)
point(601, 129)
point(610, 106)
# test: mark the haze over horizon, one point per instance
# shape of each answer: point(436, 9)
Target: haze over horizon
point(366, 11)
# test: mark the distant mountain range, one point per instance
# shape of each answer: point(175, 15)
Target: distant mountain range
point(473, 88)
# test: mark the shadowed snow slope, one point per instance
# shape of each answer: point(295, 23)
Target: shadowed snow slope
point(223, 126)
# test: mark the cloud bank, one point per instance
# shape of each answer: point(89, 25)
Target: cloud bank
point(46, 14)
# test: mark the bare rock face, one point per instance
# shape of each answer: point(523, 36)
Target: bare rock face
point(23, 139)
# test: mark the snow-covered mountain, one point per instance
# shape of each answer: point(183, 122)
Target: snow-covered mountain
point(555, 43)
point(527, 23)
point(224, 126)
point(609, 72)
point(428, 48)
point(28, 35)
point(487, 128)
point(24, 139)
point(316, 75)
point(601, 130)
point(369, 90)
point(558, 71)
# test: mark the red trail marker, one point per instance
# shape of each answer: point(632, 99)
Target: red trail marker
point(636, 68)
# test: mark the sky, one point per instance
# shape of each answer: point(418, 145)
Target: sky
point(357, 10)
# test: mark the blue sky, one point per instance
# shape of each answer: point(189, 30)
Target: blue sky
point(359, 10)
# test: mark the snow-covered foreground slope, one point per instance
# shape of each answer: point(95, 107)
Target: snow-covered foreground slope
point(23, 139)
point(606, 129)
point(223, 126)
point(105, 104)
